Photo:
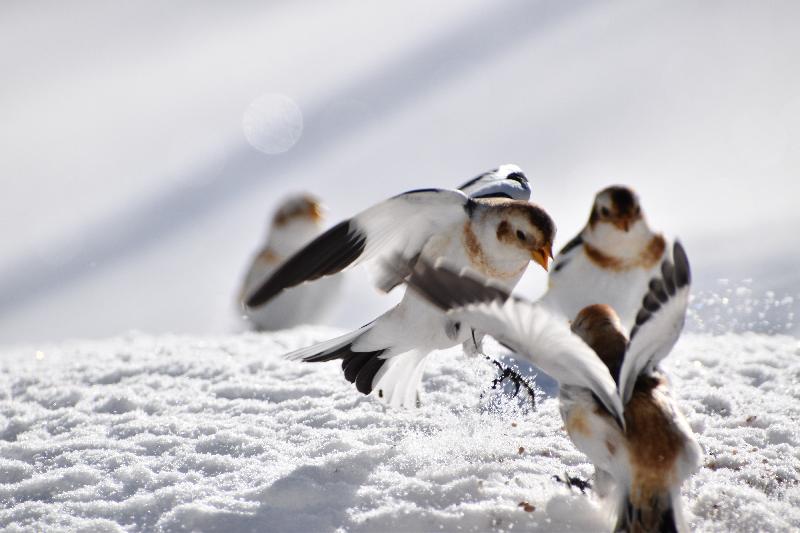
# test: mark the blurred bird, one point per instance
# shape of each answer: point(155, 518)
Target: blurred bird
point(297, 221)
point(495, 235)
point(506, 181)
point(642, 448)
point(610, 261)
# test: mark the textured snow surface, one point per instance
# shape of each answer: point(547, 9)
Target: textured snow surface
point(171, 433)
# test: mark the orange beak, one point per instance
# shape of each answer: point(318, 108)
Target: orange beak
point(623, 223)
point(542, 256)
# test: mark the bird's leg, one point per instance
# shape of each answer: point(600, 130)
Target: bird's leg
point(478, 349)
point(508, 372)
point(578, 483)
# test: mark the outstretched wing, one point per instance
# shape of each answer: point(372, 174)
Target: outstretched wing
point(659, 321)
point(399, 226)
point(506, 181)
point(524, 327)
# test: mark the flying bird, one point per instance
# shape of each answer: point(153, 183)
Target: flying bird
point(296, 222)
point(495, 235)
point(631, 428)
point(610, 261)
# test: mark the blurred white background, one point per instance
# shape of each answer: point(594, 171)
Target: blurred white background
point(143, 145)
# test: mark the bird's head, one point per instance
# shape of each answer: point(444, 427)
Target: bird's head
point(302, 208)
point(527, 227)
point(598, 326)
point(618, 206)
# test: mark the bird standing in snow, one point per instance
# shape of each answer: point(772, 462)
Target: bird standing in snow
point(295, 223)
point(491, 232)
point(610, 261)
point(642, 448)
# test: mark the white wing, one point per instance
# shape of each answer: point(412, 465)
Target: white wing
point(506, 181)
point(546, 341)
point(659, 321)
point(526, 328)
point(399, 226)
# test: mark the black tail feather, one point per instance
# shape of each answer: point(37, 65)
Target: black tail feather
point(656, 516)
point(358, 367)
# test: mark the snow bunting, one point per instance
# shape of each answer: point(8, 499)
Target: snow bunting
point(493, 234)
point(295, 223)
point(610, 261)
point(506, 181)
point(634, 434)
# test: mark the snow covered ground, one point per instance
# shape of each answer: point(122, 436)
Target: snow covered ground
point(171, 433)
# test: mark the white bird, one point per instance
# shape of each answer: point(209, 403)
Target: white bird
point(610, 261)
point(642, 461)
point(298, 220)
point(506, 181)
point(493, 234)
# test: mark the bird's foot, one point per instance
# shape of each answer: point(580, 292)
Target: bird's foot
point(511, 374)
point(574, 482)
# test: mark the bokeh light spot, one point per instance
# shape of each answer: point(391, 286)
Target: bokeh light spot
point(272, 123)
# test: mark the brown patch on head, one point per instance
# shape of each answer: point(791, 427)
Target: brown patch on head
point(599, 327)
point(478, 257)
point(540, 219)
point(653, 440)
point(617, 205)
point(304, 206)
point(504, 231)
point(526, 226)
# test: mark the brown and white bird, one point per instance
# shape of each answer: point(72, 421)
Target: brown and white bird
point(296, 222)
point(610, 261)
point(642, 448)
point(493, 234)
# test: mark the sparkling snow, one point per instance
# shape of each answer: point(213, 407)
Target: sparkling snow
point(174, 433)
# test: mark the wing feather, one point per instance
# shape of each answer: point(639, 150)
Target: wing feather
point(659, 321)
point(399, 226)
point(526, 328)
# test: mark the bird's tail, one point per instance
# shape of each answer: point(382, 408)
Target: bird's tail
point(398, 382)
point(359, 368)
point(658, 513)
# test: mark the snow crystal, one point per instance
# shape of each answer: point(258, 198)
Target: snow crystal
point(178, 434)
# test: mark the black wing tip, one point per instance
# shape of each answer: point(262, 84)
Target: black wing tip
point(571, 245)
point(329, 253)
point(418, 191)
point(675, 275)
point(492, 195)
point(360, 368)
point(469, 183)
point(683, 272)
point(519, 177)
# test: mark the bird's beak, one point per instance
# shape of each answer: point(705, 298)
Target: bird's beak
point(542, 256)
point(623, 223)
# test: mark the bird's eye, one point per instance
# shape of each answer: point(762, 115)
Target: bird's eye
point(605, 212)
point(520, 235)
point(636, 210)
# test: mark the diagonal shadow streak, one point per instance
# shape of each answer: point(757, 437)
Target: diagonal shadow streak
point(388, 90)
